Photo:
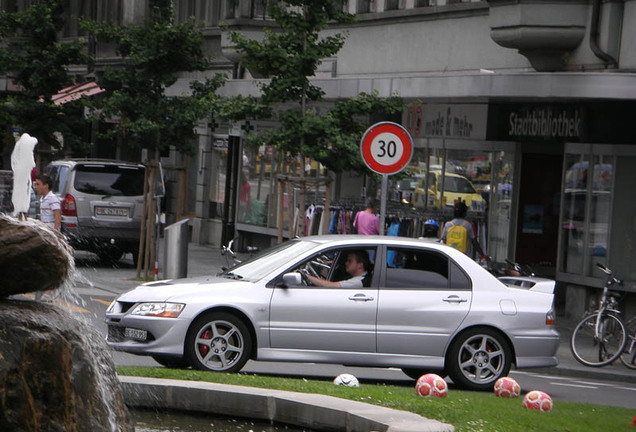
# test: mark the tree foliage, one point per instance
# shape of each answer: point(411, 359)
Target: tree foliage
point(290, 56)
point(152, 54)
point(32, 56)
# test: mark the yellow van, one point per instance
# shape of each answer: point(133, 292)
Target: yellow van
point(455, 187)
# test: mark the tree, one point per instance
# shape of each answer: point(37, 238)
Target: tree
point(36, 61)
point(290, 56)
point(152, 56)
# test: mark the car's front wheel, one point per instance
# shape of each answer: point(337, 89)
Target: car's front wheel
point(218, 342)
point(478, 358)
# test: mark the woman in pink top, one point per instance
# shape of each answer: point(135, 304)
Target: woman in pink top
point(366, 222)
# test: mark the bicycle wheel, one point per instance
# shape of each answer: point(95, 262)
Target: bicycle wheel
point(628, 357)
point(601, 350)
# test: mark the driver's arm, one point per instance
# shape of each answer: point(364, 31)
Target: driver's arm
point(322, 282)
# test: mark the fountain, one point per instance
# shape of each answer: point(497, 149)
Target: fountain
point(56, 373)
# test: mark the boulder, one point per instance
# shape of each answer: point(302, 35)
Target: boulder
point(33, 257)
point(56, 373)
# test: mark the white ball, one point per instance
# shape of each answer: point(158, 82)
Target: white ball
point(507, 387)
point(431, 385)
point(347, 380)
point(537, 400)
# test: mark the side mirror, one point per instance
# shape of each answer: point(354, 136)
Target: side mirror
point(292, 279)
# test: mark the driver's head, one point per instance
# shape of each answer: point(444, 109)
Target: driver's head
point(357, 262)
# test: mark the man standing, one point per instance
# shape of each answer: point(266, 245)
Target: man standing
point(50, 210)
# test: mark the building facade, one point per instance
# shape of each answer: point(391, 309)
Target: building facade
point(532, 101)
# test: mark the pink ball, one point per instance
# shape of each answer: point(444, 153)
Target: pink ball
point(537, 400)
point(431, 385)
point(507, 387)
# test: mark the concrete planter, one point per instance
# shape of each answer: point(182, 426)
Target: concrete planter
point(543, 31)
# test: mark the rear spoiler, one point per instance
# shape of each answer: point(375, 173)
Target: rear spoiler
point(529, 283)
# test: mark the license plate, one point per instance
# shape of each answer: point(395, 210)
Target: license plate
point(136, 334)
point(111, 211)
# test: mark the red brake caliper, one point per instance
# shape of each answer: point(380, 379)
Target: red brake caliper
point(203, 349)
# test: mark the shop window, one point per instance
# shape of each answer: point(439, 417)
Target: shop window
point(587, 199)
point(364, 6)
point(623, 223)
point(391, 4)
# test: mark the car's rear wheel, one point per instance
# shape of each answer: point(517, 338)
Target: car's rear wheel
point(171, 362)
point(478, 358)
point(218, 342)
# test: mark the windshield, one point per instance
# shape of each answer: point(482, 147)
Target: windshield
point(263, 263)
point(109, 180)
point(458, 185)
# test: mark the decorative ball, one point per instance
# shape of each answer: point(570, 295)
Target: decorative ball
point(431, 385)
point(347, 380)
point(537, 400)
point(507, 387)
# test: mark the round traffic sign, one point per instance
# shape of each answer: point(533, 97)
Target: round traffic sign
point(386, 148)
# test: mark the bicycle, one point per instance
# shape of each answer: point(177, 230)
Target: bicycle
point(599, 338)
point(628, 357)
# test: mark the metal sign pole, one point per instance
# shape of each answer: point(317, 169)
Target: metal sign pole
point(385, 181)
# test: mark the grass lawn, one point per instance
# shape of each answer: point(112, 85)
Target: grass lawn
point(467, 411)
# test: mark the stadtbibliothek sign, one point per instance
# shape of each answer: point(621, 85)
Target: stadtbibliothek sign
point(447, 121)
point(538, 122)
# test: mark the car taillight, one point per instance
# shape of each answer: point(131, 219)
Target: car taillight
point(549, 318)
point(68, 206)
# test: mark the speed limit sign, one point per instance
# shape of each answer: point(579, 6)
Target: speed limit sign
point(386, 148)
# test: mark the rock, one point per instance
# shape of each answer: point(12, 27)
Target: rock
point(56, 373)
point(33, 257)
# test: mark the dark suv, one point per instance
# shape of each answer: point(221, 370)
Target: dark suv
point(102, 203)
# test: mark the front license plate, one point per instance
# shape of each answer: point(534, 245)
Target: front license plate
point(136, 334)
point(111, 211)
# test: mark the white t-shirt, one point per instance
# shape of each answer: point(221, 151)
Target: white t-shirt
point(48, 205)
point(354, 282)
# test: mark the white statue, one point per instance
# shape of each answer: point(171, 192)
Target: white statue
point(22, 164)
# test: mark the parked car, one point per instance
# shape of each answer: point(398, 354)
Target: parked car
point(427, 307)
point(102, 204)
point(455, 186)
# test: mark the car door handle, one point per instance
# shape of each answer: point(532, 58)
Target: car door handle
point(454, 299)
point(361, 297)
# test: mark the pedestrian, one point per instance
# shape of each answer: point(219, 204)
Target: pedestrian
point(50, 209)
point(366, 222)
point(460, 234)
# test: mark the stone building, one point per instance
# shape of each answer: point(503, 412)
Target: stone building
point(528, 100)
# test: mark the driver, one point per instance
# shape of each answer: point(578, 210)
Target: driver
point(357, 266)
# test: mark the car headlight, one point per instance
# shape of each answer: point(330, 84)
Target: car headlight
point(164, 310)
point(111, 307)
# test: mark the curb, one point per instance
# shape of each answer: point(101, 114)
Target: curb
point(318, 412)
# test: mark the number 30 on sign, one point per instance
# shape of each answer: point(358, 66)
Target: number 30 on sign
point(386, 148)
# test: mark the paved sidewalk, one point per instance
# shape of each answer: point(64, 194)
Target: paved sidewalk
point(207, 260)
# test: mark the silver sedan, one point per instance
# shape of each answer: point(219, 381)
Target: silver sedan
point(418, 305)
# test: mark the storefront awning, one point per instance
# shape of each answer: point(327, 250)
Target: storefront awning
point(75, 92)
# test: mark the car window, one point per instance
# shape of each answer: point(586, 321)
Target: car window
point(263, 263)
point(331, 264)
point(109, 180)
point(58, 175)
point(421, 269)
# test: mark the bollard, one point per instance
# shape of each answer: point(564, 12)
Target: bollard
point(175, 257)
